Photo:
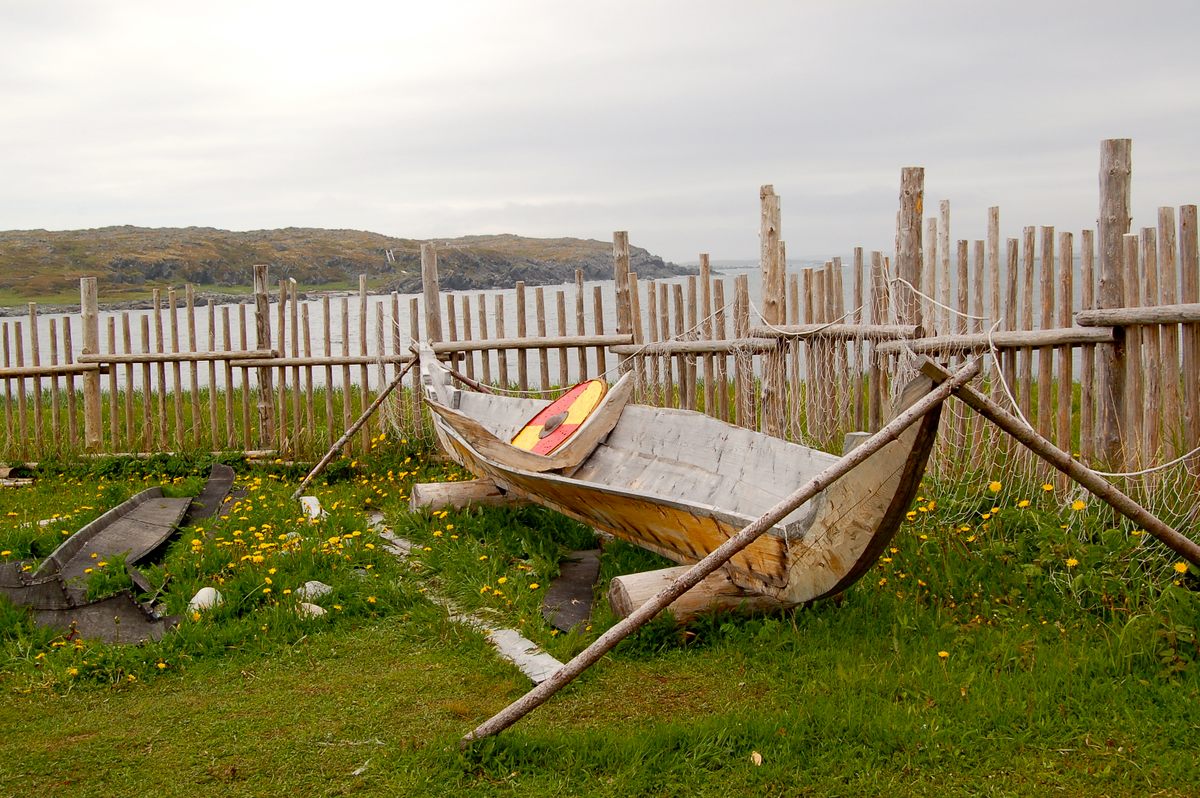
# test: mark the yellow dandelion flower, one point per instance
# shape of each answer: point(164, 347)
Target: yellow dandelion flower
point(162, 666)
point(1078, 504)
point(1072, 562)
point(1023, 503)
point(994, 486)
point(943, 655)
point(370, 599)
point(534, 585)
point(502, 580)
point(482, 557)
point(1180, 567)
point(72, 671)
point(5, 553)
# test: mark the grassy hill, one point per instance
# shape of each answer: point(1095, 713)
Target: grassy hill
point(130, 261)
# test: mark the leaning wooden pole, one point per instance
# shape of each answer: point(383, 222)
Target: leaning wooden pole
point(718, 557)
point(1100, 487)
point(355, 427)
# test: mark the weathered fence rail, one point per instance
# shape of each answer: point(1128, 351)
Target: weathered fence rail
point(1097, 337)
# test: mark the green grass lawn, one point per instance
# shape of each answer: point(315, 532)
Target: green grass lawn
point(997, 649)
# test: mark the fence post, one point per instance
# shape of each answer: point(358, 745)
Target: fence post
point(429, 284)
point(773, 308)
point(621, 278)
point(908, 246)
point(262, 328)
point(1115, 175)
point(89, 303)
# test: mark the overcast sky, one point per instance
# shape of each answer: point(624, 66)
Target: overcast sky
point(576, 119)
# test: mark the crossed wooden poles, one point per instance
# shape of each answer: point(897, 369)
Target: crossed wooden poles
point(956, 384)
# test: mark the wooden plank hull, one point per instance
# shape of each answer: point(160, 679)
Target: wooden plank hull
point(680, 484)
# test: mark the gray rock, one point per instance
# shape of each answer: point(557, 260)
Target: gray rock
point(313, 590)
point(306, 610)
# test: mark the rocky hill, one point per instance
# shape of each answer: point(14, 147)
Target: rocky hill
point(130, 260)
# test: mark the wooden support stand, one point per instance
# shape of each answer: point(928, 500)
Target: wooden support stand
point(713, 593)
point(457, 495)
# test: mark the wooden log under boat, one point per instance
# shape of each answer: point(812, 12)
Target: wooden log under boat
point(680, 483)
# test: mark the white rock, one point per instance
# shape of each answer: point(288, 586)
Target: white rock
point(312, 589)
point(312, 507)
point(205, 598)
point(306, 610)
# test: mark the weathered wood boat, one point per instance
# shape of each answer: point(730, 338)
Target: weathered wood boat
point(680, 483)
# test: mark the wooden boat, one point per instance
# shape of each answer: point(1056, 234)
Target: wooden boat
point(680, 483)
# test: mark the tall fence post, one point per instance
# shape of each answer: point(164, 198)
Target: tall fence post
point(429, 285)
point(773, 308)
point(262, 329)
point(1115, 176)
point(908, 244)
point(89, 304)
point(621, 278)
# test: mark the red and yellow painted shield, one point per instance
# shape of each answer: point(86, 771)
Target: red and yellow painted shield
point(557, 422)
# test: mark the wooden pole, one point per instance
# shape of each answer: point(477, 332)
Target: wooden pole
point(1066, 371)
point(718, 557)
point(1152, 408)
point(1169, 295)
point(1063, 461)
point(522, 332)
point(89, 303)
point(262, 340)
point(539, 311)
point(429, 286)
point(1116, 167)
point(908, 252)
point(1087, 369)
point(1189, 285)
point(719, 333)
point(1131, 422)
point(621, 278)
point(1045, 388)
point(706, 332)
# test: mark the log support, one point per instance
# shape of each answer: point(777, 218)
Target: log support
point(714, 593)
point(458, 495)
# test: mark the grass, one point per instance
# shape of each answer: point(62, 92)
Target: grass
point(996, 649)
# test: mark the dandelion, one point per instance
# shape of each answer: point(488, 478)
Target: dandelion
point(72, 671)
point(1078, 505)
point(1072, 562)
point(1180, 567)
point(162, 666)
point(195, 616)
point(994, 486)
point(943, 655)
point(1023, 503)
point(534, 585)
point(502, 580)
point(5, 553)
point(1046, 486)
point(370, 599)
point(482, 557)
